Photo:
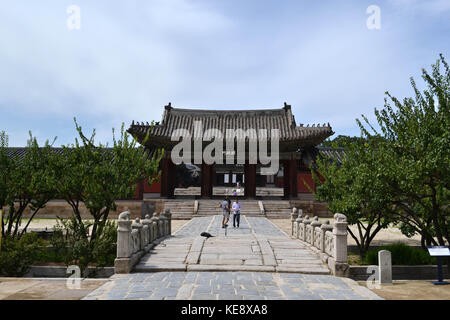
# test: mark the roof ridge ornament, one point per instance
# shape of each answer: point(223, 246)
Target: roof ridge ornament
point(169, 106)
point(287, 106)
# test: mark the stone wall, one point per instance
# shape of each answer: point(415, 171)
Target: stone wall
point(328, 241)
point(312, 207)
point(62, 209)
point(425, 272)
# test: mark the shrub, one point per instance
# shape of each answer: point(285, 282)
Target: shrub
point(105, 246)
point(17, 255)
point(71, 244)
point(402, 254)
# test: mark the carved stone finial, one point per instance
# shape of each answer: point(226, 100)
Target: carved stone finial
point(339, 217)
point(124, 215)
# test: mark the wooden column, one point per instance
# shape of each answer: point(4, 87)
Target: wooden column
point(290, 178)
point(140, 188)
point(293, 178)
point(168, 177)
point(207, 176)
point(250, 180)
point(286, 179)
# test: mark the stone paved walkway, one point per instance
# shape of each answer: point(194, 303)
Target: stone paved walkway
point(257, 245)
point(255, 261)
point(229, 286)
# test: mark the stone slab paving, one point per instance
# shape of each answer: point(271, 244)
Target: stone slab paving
point(257, 245)
point(256, 261)
point(229, 286)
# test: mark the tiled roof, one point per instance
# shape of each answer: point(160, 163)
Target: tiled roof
point(282, 119)
point(19, 152)
point(310, 155)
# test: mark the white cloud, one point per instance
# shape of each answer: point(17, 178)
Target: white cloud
point(105, 68)
point(433, 7)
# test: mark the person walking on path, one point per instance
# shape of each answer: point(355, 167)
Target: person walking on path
point(237, 213)
point(225, 211)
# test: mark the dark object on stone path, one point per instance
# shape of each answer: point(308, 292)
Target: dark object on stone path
point(206, 234)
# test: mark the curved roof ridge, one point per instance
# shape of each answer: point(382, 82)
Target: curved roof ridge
point(226, 110)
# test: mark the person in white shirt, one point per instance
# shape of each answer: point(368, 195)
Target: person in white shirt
point(236, 207)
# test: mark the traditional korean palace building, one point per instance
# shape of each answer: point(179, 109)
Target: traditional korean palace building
point(297, 149)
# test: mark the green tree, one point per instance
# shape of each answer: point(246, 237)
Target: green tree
point(415, 160)
point(399, 173)
point(97, 175)
point(340, 141)
point(353, 188)
point(26, 182)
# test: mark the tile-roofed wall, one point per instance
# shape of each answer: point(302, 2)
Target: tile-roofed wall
point(309, 155)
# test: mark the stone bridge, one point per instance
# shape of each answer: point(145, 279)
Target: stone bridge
point(256, 261)
point(257, 245)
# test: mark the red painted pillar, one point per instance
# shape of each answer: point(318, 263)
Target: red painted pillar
point(168, 177)
point(293, 178)
point(286, 179)
point(206, 188)
point(250, 180)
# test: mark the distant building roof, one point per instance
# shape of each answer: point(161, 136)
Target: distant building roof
point(310, 155)
point(282, 119)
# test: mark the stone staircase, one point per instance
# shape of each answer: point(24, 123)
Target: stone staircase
point(184, 209)
point(180, 209)
point(280, 209)
point(211, 207)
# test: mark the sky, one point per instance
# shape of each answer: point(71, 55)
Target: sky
point(130, 58)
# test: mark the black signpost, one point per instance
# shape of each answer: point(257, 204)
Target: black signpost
point(439, 252)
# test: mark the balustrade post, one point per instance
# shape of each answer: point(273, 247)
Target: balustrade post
point(147, 223)
point(122, 263)
point(341, 266)
point(155, 226)
point(315, 223)
point(169, 220)
point(297, 224)
point(303, 230)
point(324, 228)
point(138, 226)
point(293, 217)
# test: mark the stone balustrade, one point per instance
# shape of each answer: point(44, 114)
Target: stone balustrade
point(329, 241)
point(136, 238)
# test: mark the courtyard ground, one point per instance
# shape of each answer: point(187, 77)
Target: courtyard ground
point(412, 290)
point(217, 284)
